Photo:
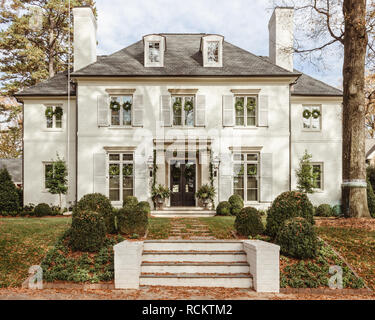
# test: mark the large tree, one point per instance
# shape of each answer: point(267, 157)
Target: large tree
point(34, 41)
point(325, 27)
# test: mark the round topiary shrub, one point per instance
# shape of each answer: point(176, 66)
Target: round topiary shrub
point(249, 222)
point(297, 239)
point(99, 203)
point(87, 232)
point(324, 210)
point(9, 197)
point(337, 211)
point(132, 220)
point(144, 206)
point(236, 204)
point(288, 205)
point(223, 209)
point(130, 200)
point(42, 210)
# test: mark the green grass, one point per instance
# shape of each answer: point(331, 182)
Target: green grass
point(23, 243)
point(159, 228)
point(220, 227)
point(356, 246)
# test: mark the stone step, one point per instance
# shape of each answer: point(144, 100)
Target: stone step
point(201, 256)
point(183, 209)
point(194, 280)
point(196, 267)
point(183, 214)
point(196, 245)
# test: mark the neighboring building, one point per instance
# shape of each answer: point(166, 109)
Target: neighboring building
point(250, 117)
point(370, 152)
point(14, 167)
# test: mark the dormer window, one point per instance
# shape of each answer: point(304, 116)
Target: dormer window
point(212, 50)
point(154, 47)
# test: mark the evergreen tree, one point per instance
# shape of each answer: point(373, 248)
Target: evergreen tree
point(34, 40)
point(9, 200)
point(56, 180)
point(306, 178)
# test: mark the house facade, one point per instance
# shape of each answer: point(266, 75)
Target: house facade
point(182, 110)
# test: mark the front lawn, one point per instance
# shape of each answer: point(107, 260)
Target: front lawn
point(222, 227)
point(23, 243)
point(159, 228)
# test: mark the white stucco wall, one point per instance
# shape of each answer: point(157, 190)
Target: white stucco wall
point(42, 145)
point(325, 146)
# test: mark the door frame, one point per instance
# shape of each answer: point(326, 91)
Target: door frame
point(196, 176)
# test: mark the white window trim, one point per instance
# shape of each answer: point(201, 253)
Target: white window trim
point(320, 118)
point(321, 164)
point(245, 162)
point(162, 47)
point(204, 49)
point(63, 118)
point(121, 162)
point(246, 126)
point(121, 116)
point(44, 163)
point(183, 96)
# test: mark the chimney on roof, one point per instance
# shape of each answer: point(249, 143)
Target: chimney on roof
point(84, 37)
point(281, 37)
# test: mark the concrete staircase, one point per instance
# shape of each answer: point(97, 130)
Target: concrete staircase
point(195, 264)
point(182, 212)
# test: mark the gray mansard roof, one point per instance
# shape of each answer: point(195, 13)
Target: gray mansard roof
point(182, 59)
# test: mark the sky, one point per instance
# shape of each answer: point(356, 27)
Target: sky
point(243, 23)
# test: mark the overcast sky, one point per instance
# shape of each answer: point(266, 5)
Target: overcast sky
point(242, 22)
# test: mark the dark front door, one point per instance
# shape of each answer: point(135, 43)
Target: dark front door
point(183, 183)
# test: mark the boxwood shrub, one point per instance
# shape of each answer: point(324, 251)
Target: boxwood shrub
point(99, 203)
point(88, 231)
point(324, 210)
point(130, 200)
point(236, 204)
point(297, 239)
point(42, 210)
point(223, 209)
point(249, 222)
point(145, 207)
point(133, 219)
point(288, 205)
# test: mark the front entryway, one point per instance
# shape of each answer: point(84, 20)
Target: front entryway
point(182, 184)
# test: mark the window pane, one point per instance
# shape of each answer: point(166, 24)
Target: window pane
point(213, 51)
point(115, 114)
point(127, 157)
point(49, 122)
point(306, 121)
point(239, 192)
point(189, 111)
point(317, 171)
point(252, 170)
point(127, 170)
point(177, 111)
point(239, 108)
point(251, 111)
point(114, 157)
point(238, 157)
point(238, 169)
point(58, 117)
point(251, 121)
point(252, 157)
point(127, 110)
point(252, 195)
point(48, 169)
point(154, 51)
point(114, 182)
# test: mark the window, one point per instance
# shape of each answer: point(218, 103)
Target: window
point(311, 116)
point(154, 52)
point(245, 108)
point(183, 111)
point(121, 176)
point(121, 110)
point(213, 51)
point(317, 169)
point(48, 169)
point(54, 116)
point(246, 176)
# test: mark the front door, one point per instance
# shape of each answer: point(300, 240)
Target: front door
point(183, 183)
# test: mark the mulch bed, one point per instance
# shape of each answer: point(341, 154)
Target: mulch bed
point(363, 224)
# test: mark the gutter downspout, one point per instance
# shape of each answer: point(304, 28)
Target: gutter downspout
point(290, 134)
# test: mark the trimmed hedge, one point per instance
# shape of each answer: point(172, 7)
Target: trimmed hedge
point(42, 210)
point(324, 210)
point(99, 203)
point(145, 207)
point(87, 232)
point(9, 196)
point(297, 239)
point(130, 200)
point(133, 219)
point(249, 222)
point(288, 205)
point(236, 204)
point(223, 209)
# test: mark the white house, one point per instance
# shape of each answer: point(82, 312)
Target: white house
point(200, 108)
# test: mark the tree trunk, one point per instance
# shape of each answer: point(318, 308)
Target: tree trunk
point(51, 65)
point(61, 210)
point(354, 168)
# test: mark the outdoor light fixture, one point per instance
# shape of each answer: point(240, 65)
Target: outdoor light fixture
point(216, 162)
point(150, 162)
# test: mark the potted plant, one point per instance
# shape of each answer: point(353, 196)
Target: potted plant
point(206, 194)
point(159, 194)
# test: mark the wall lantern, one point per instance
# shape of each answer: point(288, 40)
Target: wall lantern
point(150, 162)
point(216, 162)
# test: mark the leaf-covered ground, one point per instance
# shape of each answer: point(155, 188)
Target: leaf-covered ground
point(23, 243)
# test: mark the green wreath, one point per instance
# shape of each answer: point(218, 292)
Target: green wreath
point(252, 171)
point(315, 114)
point(115, 105)
point(114, 171)
point(239, 105)
point(189, 106)
point(251, 105)
point(177, 106)
point(127, 170)
point(49, 112)
point(127, 106)
point(58, 112)
point(306, 114)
